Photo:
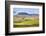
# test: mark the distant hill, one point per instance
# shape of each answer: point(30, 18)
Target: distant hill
point(33, 14)
point(23, 13)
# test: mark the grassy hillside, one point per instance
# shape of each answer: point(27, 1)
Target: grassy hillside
point(25, 22)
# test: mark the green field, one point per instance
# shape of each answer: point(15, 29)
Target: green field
point(23, 22)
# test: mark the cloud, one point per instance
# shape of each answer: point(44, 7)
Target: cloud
point(27, 10)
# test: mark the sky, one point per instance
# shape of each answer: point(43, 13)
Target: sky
point(26, 10)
